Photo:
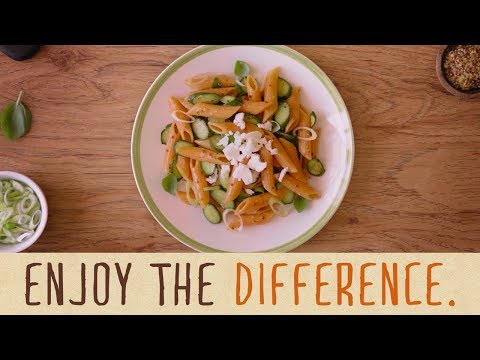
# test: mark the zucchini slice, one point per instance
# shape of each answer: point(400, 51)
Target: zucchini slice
point(315, 167)
point(219, 197)
point(282, 115)
point(224, 180)
point(313, 118)
point(216, 83)
point(212, 214)
point(252, 119)
point(200, 129)
point(214, 139)
point(293, 139)
point(204, 97)
point(231, 100)
point(284, 89)
point(207, 168)
point(288, 197)
point(180, 144)
point(164, 134)
point(259, 190)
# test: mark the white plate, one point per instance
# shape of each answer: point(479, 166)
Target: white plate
point(336, 150)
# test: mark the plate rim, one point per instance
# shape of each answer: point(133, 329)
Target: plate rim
point(138, 127)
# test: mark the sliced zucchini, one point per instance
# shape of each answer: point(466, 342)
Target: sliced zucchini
point(212, 119)
point(180, 144)
point(288, 197)
point(224, 180)
point(259, 190)
point(212, 214)
point(284, 89)
point(164, 134)
point(219, 197)
point(242, 196)
point(174, 169)
point(211, 188)
point(204, 97)
point(293, 139)
point(282, 115)
point(231, 100)
point(200, 129)
point(315, 167)
point(252, 119)
point(313, 118)
point(207, 168)
point(214, 139)
point(216, 83)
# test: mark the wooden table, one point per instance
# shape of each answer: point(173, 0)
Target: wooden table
point(415, 184)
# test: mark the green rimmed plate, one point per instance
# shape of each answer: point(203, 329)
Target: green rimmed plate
point(336, 149)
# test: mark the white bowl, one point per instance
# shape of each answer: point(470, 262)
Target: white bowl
point(13, 248)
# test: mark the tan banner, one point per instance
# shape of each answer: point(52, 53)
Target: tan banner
point(240, 284)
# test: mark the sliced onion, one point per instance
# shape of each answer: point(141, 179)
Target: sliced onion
point(313, 134)
point(23, 209)
point(5, 197)
point(280, 210)
point(33, 221)
point(282, 174)
point(17, 186)
point(175, 116)
point(21, 219)
point(240, 83)
point(23, 236)
point(227, 222)
point(277, 126)
point(192, 202)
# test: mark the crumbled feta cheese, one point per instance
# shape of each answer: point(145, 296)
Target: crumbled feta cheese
point(266, 126)
point(282, 174)
point(256, 164)
point(249, 191)
point(238, 120)
point(232, 153)
point(242, 172)
point(212, 179)
point(269, 147)
point(224, 141)
point(225, 170)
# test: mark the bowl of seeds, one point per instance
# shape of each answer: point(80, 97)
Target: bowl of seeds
point(458, 69)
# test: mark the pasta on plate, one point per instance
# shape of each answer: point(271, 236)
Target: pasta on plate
point(241, 153)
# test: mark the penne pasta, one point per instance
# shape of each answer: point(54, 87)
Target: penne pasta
point(186, 104)
point(225, 127)
point(268, 181)
point(199, 183)
point(292, 153)
point(270, 93)
point(253, 203)
point(173, 137)
point(253, 219)
point(235, 187)
point(200, 154)
point(299, 187)
point(205, 80)
point(293, 102)
point(304, 146)
point(253, 90)
point(215, 111)
point(219, 91)
point(253, 107)
point(184, 129)
point(315, 153)
point(206, 144)
point(183, 167)
point(282, 156)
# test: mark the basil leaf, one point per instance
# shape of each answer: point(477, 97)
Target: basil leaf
point(169, 183)
point(216, 83)
point(15, 120)
point(240, 90)
point(241, 69)
point(300, 203)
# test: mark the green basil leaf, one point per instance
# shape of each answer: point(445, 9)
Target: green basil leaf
point(169, 183)
point(300, 203)
point(240, 90)
point(216, 83)
point(15, 120)
point(241, 69)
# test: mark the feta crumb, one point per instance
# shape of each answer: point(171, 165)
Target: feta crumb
point(238, 120)
point(282, 174)
point(232, 153)
point(249, 191)
point(225, 170)
point(266, 126)
point(269, 147)
point(212, 179)
point(256, 164)
point(242, 172)
point(224, 141)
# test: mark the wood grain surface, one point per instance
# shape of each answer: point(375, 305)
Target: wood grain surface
point(416, 178)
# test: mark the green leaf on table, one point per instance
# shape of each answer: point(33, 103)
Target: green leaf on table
point(169, 183)
point(300, 203)
point(241, 69)
point(15, 119)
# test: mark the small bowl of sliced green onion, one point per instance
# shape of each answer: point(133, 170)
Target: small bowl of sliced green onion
point(23, 212)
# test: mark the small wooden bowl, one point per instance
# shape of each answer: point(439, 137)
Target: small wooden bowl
point(443, 80)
